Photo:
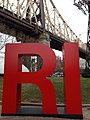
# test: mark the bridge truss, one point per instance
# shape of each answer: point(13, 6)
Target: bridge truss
point(42, 13)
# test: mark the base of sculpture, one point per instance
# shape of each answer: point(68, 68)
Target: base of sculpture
point(37, 111)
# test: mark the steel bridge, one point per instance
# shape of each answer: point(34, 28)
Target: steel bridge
point(28, 19)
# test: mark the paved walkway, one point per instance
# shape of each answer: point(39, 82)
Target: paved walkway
point(86, 114)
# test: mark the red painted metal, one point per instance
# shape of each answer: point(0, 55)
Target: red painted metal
point(13, 77)
point(73, 99)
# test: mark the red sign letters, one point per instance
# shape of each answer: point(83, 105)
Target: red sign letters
point(13, 77)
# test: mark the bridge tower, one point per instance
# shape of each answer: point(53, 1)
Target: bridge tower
point(43, 37)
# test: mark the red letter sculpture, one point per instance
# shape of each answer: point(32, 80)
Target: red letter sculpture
point(73, 99)
point(13, 77)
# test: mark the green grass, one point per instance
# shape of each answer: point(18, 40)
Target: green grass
point(85, 87)
point(31, 93)
point(59, 88)
point(1, 87)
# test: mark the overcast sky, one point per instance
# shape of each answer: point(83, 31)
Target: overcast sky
point(74, 17)
point(77, 21)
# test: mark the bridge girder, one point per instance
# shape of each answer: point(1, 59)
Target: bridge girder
point(26, 17)
point(42, 13)
point(18, 26)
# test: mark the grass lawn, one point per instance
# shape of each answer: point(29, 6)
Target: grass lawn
point(31, 93)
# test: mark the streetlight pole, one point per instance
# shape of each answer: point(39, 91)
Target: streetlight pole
point(84, 5)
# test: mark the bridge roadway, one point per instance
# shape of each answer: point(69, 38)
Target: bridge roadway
point(12, 21)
